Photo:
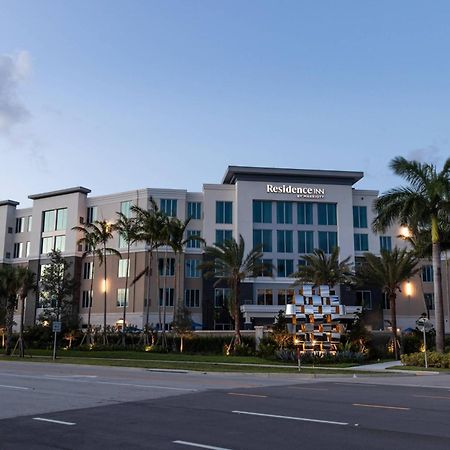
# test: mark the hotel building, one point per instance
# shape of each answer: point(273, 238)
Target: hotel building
point(289, 211)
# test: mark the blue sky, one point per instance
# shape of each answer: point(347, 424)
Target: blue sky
point(118, 95)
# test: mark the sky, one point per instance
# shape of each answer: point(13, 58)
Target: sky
point(117, 95)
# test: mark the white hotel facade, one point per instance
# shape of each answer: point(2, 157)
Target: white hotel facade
point(289, 211)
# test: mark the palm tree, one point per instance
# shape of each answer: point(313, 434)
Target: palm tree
point(127, 228)
point(424, 203)
point(388, 272)
point(28, 283)
point(228, 263)
point(322, 269)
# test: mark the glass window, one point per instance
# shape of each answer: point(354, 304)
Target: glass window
point(264, 238)
point(305, 241)
point(429, 300)
point(30, 223)
point(360, 217)
point(87, 270)
point(327, 241)
point(193, 243)
point(262, 211)
point(361, 242)
point(223, 235)
point(386, 243)
point(20, 225)
point(326, 213)
point(86, 299)
point(169, 295)
point(18, 248)
point(124, 269)
point(169, 207)
point(27, 249)
point(49, 220)
point(91, 215)
point(61, 219)
point(194, 210)
point(427, 274)
point(284, 212)
point(304, 213)
point(221, 297)
point(47, 245)
point(121, 292)
point(125, 208)
point(264, 296)
point(267, 268)
point(284, 241)
point(192, 270)
point(224, 212)
point(170, 267)
point(364, 299)
point(122, 242)
point(285, 296)
point(192, 298)
point(285, 267)
point(60, 243)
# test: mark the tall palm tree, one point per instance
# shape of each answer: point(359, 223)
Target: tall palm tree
point(424, 203)
point(229, 263)
point(388, 272)
point(27, 284)
point(323, 269)
point(127, 227)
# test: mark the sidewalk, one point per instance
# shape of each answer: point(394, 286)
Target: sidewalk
point(382, 367)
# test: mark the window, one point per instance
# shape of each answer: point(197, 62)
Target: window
point(429, 300)
point(18, 248)
point(223, 235)
point(61, 219)
point(125, 208)
point(49, 220)
point(427, 274)
point(361, 242)
point(169, 269)
point(364, 299)
point(30, 223)
point(386, 243)
point(168, 297)
point(221, 297)
point(27, 249)
point(326, 213)
point(86, 299)
point(169, 207)
point(47, 245)
point(284, 241)
point(87, 270)
point(327, 241)
point(122, 293)
point(302, 262)
point(285, 296)
point(124, 269)
point(60, 243)
point(262, 211)
point(305, 241)
point(194, 210)
point(193, 243)
point(267, 268)
point(122, 242)
point(224, 212)
point(91, 215)
point(360, 217)
point(284, 212)
point(192, 270)
point(285, 267)
point(264, 238)
point(192, 298)
point(20, 225)
point(304, 213)
point(264, 296)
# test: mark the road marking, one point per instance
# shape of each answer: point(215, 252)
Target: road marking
point(59, 422)
point(145, 386)
point(194, 444)
point(70, 376)
point(382, 406)
point(13, 387)
point(247, 395)
point(301, 419)
point(432, 396)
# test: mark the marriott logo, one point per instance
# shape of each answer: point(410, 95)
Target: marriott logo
point(300, 191)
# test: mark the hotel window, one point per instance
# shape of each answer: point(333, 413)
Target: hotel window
point(360, 217)
point(285, 296)
point(285, 267)
point(301, 263)
point(267, 268)
point(326, 213)
point(125, 208)
point(361, 242)
point(222, 297)
point(327, 241)
point(193, 243)
point(262, 211)
point(427, 274)
point(223, 235)
point(60, 243)
point(264, 296)
point(30, 223)
point(264, 238)
point(121, 293)
point(284, 241)
point(27, 249)
point(304, 213)
point(192, 298)
point(192, 270)
point(169, 269)
point(124, 268)
point(47, 245)
point(168, 297)
point(169, 207)
point(429, 300)
point(91, 215)
point(49, 220)
point(194, 210)
point(87, 270)
point(224, 212)
point(18, 248)
point(122, 242)
point(61, 219)
point(284, 212)
point(386, 243)
point(364, 299)
point(86, 299)
point(20, 225)
point(305, 241)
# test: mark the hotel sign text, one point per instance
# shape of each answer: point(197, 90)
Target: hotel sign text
point(300, 191)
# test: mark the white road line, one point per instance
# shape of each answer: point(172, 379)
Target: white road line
point(194, 444)
point(145, 386)
point(301, 419)
point(381, 406)
point(59, 422)
point(246, 395)
point(14, 387)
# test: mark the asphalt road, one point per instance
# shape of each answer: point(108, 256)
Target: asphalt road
point(44, 406)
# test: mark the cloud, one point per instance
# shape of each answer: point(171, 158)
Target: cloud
point(14, 70)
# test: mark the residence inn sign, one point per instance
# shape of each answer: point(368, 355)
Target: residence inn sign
point(301, 192)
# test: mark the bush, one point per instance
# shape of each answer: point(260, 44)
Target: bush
point(439, 360)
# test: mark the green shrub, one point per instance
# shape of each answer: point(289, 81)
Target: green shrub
point(439, 360)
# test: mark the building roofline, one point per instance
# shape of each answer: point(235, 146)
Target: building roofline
point(8, 203)
point(73, 190)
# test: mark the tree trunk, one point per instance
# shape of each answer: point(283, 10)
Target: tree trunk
point(91, 299)
point(437, 284)
point(237, 314)
point(105, 339)
point(10, 305)
point(126, 298)
point(22, 312)
point(392, 302)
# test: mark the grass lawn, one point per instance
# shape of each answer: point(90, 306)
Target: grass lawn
point(414, 368)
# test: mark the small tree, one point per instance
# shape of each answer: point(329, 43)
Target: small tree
point(182, 324)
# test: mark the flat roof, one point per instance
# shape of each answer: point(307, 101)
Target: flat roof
point(73, 190)
point(247, 173)
point(8, 203)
